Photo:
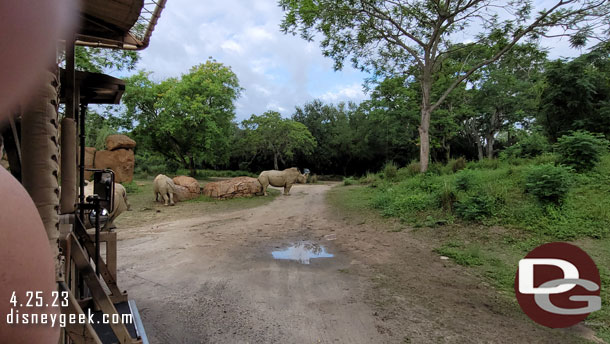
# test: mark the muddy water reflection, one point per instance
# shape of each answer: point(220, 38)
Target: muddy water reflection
point(302, 252)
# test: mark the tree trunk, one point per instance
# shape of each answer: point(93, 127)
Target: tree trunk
point(424, 126)
point(490, 137)
point(480, 149)
point(193, 171)
point(490, 145)
point(275, 166)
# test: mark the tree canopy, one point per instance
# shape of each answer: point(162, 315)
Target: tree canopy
point(576, 94)
point(186, 119)
point(277, 137)
point(394, 38)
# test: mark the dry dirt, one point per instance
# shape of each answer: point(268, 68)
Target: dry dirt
point(212, 279)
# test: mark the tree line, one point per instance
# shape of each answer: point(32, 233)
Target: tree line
point(430, 96)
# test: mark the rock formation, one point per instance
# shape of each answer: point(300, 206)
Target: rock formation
point(118, 157)
point(234, 187)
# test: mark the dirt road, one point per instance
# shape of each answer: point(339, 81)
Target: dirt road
point(213, 279)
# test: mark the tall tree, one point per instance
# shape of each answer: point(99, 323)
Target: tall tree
point(388, 37)
point(393, 113)
point(576, 95)
point(188, 120)
point(507, 91)
point(280, 137)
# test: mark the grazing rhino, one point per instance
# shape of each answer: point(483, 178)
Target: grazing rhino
point(164, 186)
point(120, 204)
point(285, 178)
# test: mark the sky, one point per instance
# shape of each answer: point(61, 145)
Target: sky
point(277, 71)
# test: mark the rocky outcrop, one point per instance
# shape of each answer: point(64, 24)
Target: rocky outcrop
point(234, 187)
point(89, 158)
point(118, 157)
point(189, 182)
point(117, 141)
point(182, 193)
point(121, 161)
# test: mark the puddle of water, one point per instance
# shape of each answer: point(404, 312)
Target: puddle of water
point(302, 252)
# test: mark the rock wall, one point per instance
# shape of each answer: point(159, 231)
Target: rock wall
point(186, 188)
point(118, 157)
point(234, 187)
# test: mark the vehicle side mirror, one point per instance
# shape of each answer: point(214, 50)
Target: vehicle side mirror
point(103, 187)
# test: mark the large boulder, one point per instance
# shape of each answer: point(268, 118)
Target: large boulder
point(182, 193)
point(89, 158)
point(189, 182)
point(234, 187)
point(118, 141)
point(121, 161)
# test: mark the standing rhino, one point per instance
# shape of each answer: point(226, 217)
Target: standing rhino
point(283, 178)
point(120, 204)
point(164, 186)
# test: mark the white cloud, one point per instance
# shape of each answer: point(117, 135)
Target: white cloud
point(352, 92)
point(258, 34)
point(277, 71)
point(231, 47)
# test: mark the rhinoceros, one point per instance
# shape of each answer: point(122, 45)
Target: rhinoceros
point(285, 178)
point(164, 186)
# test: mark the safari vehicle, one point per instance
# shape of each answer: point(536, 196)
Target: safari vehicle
point(31, 141)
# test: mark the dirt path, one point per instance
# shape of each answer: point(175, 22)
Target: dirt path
point(212, 279)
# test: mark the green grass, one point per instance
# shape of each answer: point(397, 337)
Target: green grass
point(482, 217)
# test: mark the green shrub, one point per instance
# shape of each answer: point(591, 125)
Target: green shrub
point(312, 179)
point(349, 181)
point(148, 163)
point(475, 208)
point(131, 187)
point(446, 198)
point(485, 164)
point(529, 146)
point(411, 169)
point(581, 150)
point(464, 180)
point(457, 164)
point(172, 166)
point(549, 183)
point(101, 135)
point(370, 178)
point(437, 169)
point(390, 170)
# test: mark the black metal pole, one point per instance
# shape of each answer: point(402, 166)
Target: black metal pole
point(81, 165)
point(96, 205)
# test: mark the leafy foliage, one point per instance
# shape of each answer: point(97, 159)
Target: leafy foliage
point(100, 60)
point(528, 145)
point(390, 170)
point(475, 208)
point(187, 120)
point(281, 138)
point(548, 183)
point(581, 150)
point(576, 95)
point(415, 39)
